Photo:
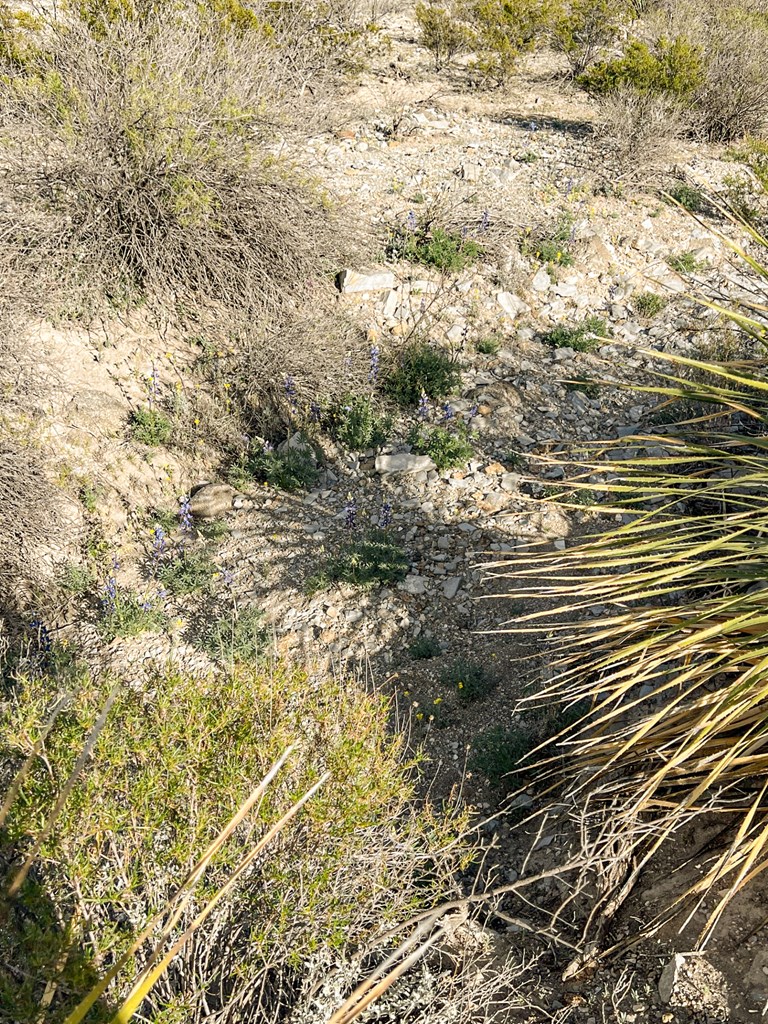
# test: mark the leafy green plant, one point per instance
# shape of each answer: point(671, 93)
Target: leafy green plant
point(550, 244)
point(150, 427)
point(583, 337)
point(371, 560)
point(582, 29)
point(489, 345)
point(498, 751)
point(288, 468)
point(448, 447)
point(236, 636)
point(129, 615)
point(187, 572)
point(442, 33)
point(356, 425)
point(684, 263)
point(505, 30)
point(442, 248)
point(688, 196)
point(421, 369)
point(424, 648)
point(649, 304)
point(675, 68)
point(213, 529)
point(76, 578)
point(470, 679)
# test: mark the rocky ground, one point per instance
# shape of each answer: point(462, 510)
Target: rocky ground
point(502, 162)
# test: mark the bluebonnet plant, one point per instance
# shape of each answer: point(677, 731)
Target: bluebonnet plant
point(485, 221)
point(315, 412)
point(423, 407)
point(350, 515)
point(373, 373)
point(472, 411)
point(153, 387)
point(448, 412)
point(290, 391)
point(227, 578)
point(42, 636)
point(159, 545)
point(385, 516)
point(109, 596)
point(185, 517)
point(411, 223)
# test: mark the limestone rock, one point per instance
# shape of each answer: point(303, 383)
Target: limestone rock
point(353, 281)
point(541, 281)
point(211, 500)
point(403, 462)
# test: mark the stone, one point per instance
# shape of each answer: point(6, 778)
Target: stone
point(413, 585)
point(510, 303)
point(451, 587)
point(353, 281)
point(211, 500)
point(541, 281)
point(404, 462)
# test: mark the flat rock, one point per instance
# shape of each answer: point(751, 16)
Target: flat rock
point(404, 462)
point(212, 500)
point(541, 281)
point(352, 281)
point(413, 585)
point(451, 587)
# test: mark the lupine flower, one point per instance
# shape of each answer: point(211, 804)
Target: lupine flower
point(448, 412)
point(227, 578)
point(315, 412)
point(161, 593)
point(411, 223)
point(385, 516)
point(42, 636)
point(146, 604)
point(464, 231)
point(109, 596)
point(159, 545)
point(423, 406)
point(153, 387)
point(185, 515)
point(373, 372)
point(485, 221)
point(473, 411)
point(290, 391)
point(350, 516)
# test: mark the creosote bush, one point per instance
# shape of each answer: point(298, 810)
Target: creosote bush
point(584, 29)
point(172, 764)
point(442, 33)
point(674, 68)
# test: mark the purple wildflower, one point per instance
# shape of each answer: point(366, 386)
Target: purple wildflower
point(290, 391)
point(385, 516)
point(159, 545)
point(411, 223)
point(185, 514)
point(448, 412)
point(227, 578)
point(109, 596)
point(350, 516)
point(315, 412)
point(423, 407)
point(473, 411)
point(485, 221)
point(42, 636)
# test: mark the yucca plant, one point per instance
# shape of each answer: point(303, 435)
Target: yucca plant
point(674, 665)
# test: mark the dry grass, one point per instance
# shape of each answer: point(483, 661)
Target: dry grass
point(639, 129)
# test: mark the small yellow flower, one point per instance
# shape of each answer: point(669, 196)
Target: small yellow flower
point(419, 716)
point(179, 623)
point(461, 685)
point(437, 700)
point(197, 421)
point(406, 693)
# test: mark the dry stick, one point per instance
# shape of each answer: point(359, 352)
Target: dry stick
point(90, 743)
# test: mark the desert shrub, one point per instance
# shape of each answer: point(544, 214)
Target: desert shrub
point(583, 29)
point(371, 560)
point(186, 572)
point(124, 613)
point(421, 369)
point(445, 249)
point(550, 243)
point(688, 196)
point(18, 30)
point(673, 68)
point(470, 678)
point(356, 425)
point(684, 263)
point(172, 763)
point(442, 33)
point(650, 304)
point(424, 648)
point(754, 153)
point(136, 167)
point(489, 345)
point(292, 467)
point(150, 427)
point(583, 337)
point(238, 635)
point(75, 578)
point(505, 30)
point(447, 446)
point(639, 128)
point(497, 753)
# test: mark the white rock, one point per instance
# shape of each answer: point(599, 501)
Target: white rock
point(413, 585)
point(541, 281)
point(351, 281)
point(403, 462)
point(510, 303)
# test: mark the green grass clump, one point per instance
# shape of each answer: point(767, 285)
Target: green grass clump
point(551, 245)
point(174, 761)
point(649, 304)
point(488, 346)
point(684, 263)
point(237, 636)
point(689, 197)
point(424, 648)
point(498, 751)
point(76, 579)
point(584, 337)
point(213, 529)
point(447, 251)
point(372, 560)
point(187, 573)
point(130, 615)
point(421, 368)
point(150, 427)
point(471, 680)
point(356, 425)
point(447, 447)
point(287, 469)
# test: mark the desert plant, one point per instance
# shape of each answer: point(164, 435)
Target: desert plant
point(421, 369)
point(583, 337)
point(649, 304)
point(470, 678)
point(238, 635)
point(126, 614)
point(424, 648)
point(688, 196)
point(506, 29)
point(371, 560)
point(442, 33)
point(583, 29)
point(150, 427)
point(639, 127)
point(291, 467)
point(550, 243)
point(489, 345)
point(356, 425)
point(497, 753)
point(146, 769)
point(673, 68)
point(447, 446)
point(187, 572)
point(684, 263)
point(445, 249)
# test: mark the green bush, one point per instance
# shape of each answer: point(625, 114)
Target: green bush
point(424, 648)
point(447, 447)
point(690, 198)
point(471, 680)
point(488, 346)
point(236, 636)
point(421, 369)
point(173, 763)
point(76, 578)
point(287, 468)
point(582, 29)
point(356, 425)
point(505, 30)
point(584, 337)
point(372, 560)
point(550, 244)
point(649, 304)
point(442, 33)
point(684, 263)
point(129, 615)
point(150, 427)
point(187, 572)
point(446, 250)
point(675, 68)
point(498, 751)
